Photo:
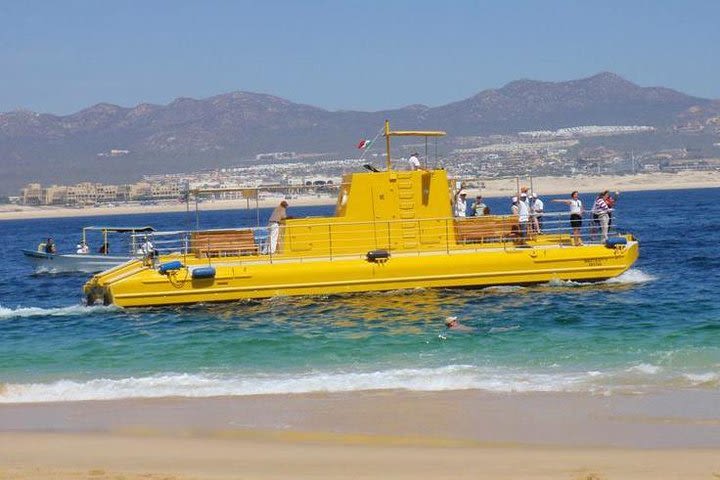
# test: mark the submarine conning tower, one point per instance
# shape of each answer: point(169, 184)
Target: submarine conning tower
point(392, 210)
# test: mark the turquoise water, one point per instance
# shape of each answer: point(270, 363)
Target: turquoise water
point(657, 326)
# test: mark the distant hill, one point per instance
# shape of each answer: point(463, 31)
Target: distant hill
point(190, 134)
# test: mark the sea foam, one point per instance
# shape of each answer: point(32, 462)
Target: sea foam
point(71, 310)
point(633, 275)
point(644, 377)
point(454, 377)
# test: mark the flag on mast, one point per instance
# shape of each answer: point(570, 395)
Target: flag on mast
point(364, 144)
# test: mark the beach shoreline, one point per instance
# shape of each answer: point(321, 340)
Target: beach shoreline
point(492, 188)
point(389, 434)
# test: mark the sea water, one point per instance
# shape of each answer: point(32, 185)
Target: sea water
point(655, 327)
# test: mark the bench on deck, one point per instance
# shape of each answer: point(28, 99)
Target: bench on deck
point(487, 228)
point(223, 243)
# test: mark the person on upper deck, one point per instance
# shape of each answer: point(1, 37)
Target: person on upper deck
point(537, 208)
point(414, 161)
point(576, 213)
point(523, 214)
point(278, 215)
point(611, 201)
point(478, 207)
point(601, 210)
point(104, 248)
point(514, 209)
point(461, 203)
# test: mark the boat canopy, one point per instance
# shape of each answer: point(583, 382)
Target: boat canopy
point(406, 133)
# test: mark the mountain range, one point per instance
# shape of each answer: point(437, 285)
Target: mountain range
point(189, 134)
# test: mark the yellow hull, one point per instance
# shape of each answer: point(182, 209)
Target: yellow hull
point(134, 284)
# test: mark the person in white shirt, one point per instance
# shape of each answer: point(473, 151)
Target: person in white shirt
point(147, 249)
point(414, 162)
point(538, 208)
point(523, 214)
point(461, 203)
point(576, 212)
point(82, 248)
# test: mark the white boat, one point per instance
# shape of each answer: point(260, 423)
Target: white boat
point(72, 262)
point(43, 261)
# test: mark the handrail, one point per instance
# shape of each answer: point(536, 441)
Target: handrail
point(334, 240)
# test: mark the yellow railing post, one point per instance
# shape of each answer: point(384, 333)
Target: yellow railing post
point(387, 144)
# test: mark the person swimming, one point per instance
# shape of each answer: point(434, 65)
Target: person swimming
point(452, 323)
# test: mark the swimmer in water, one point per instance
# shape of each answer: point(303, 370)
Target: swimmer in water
point(452, 323)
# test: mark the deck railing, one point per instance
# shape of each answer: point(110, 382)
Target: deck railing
point(336, 239)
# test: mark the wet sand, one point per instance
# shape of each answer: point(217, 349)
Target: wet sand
point(384, 434)
point(493, 188)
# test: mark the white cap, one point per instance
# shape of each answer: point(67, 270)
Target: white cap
point(534, 195)
point(523, 194)
point(462, 192)
point(514, 199)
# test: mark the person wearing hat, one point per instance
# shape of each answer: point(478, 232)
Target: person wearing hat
point(452, 323)
point(278, 215)
point(414, 161)
point(523, 214)
point(537, 208)
point(478, 207)
point(461, 203)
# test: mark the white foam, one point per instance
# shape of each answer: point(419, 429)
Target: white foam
point(555, 282)
point(633, 275)
point(452, 377)
point(456, 377)
point(79, 309)
point(708, 378)
point(504, 288)
point(645, 368)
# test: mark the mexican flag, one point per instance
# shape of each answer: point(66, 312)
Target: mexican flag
point(364, 144)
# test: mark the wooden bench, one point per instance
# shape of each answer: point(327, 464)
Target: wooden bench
point(223, 243)
point(490, 228)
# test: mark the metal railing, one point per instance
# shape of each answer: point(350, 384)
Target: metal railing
point(337, 239)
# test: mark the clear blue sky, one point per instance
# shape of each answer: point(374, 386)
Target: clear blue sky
point(62, 56)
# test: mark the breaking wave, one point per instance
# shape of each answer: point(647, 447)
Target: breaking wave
point(454, 377)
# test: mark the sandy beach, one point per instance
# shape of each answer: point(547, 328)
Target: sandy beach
point(493, 188)
point(385, 434)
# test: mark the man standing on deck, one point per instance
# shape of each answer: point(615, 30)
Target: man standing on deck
point(461, 203)
point(278, 215)
point(538, 209)
point(414, 162)
point(523, 214)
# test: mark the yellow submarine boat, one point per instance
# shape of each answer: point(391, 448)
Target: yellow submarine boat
point(391, 230)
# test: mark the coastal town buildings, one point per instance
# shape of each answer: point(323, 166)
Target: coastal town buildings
point(579, 150)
